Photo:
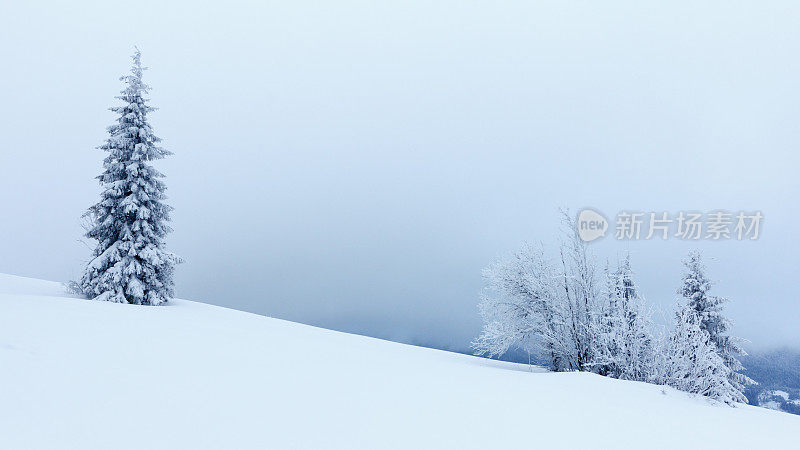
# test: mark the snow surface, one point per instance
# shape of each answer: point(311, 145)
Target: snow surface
point(83, 374)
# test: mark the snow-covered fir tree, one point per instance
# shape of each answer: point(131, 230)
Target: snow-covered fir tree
point(131, 263)
point(694, 288)
point(626, 347)
point(609, 328)
point(693, 362)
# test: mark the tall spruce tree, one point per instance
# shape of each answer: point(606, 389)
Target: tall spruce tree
point(131, 263)
point(694, 289)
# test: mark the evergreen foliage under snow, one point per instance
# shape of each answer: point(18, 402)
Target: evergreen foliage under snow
point(129, 223)
point(694, 364)
point(626, 340)
point(558, 309)
point(694, 289)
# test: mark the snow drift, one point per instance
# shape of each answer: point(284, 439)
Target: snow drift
point(84, 374)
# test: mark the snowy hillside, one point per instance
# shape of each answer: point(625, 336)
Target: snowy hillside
point(85, 374)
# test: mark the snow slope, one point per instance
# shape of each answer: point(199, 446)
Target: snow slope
point(82, 374)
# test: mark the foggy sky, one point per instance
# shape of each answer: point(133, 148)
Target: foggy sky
point(354, 165)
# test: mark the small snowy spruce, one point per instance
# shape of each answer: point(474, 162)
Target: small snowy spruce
point(694, 288)
point(627, 347)
point(130, 263)
point(694, 364)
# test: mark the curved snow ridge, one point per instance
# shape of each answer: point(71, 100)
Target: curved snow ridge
point(88, 374)
point(17, 285)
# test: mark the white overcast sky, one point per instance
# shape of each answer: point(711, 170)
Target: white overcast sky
point(355, 165)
